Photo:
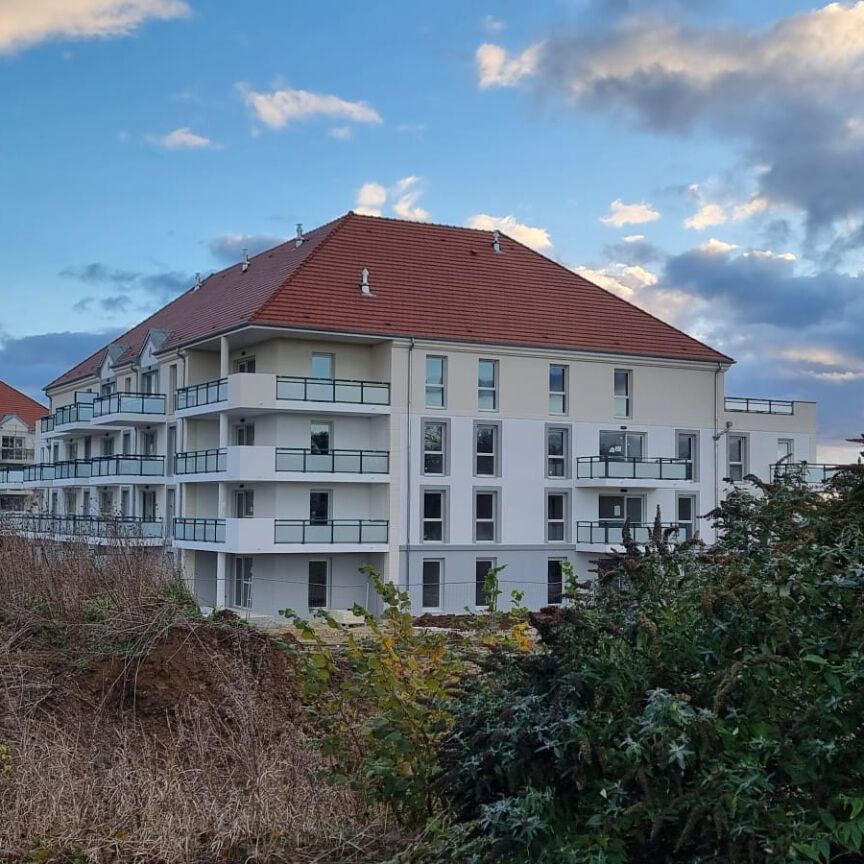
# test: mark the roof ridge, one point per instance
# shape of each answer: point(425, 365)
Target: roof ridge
point(22, 393)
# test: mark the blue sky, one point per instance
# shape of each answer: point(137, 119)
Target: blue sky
point(142, 141)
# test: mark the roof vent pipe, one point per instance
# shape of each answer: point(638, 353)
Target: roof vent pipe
point(245, 265)
point(197, 282)
point(496, 240)
point(365, 287)
point(298, 240)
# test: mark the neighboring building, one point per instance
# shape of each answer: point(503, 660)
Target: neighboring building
point(19, 415)
point(429, 400)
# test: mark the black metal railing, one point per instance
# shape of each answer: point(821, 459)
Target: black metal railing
point(46, 424)
point(129, 403)
point(331, 531)
point(127, 465)
point(632, 468)
point(16, 454)
point(79, 412)
point(38, 472)
point(759, 406)
point(107, 527)
point(332, 390)
point(202, 394)
point(11, 475)
point(200, 530)
point(814, 473)
point(611, 532)
point(72, 469)
point(200, 461)
point(333, 461)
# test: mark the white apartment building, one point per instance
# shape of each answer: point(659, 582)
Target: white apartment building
point(427, 400)
point(19, 415)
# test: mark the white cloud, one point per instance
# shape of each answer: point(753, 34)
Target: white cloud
point(406, 192)
point(621, 214)
point(371, 197)
point(759, 204)
point(182, 139)
point(280, 107)
point(495, 68)
point(535, 238)
point(634, 238)
point(716, 247)
point(493, 24)
point(625, 280)
point(341, 133)
point(767, 253)
point(706, 216)
point(24, 23)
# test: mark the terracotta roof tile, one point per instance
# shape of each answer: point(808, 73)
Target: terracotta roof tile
point(15, 402)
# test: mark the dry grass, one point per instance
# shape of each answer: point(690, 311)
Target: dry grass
point(138, 732)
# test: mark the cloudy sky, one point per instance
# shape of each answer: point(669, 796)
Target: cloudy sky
point(702, 158)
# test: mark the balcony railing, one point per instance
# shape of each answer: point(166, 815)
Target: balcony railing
point(332, 390)
point(612, 533)
point(202, 394)
point(129, 403)
point(46, 424)
point(16, 454)
point(759, 406)
point(632, 468)
point(11, 475)
point(333, 461)
point(200, 461)
point(80, 412)
point(814, 473)
point(127, 465)
point(39, 472)
point(200, 530)
point(331, 531)
point(72, 469)
point(107, 527)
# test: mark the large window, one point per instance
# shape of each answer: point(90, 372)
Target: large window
point(557, 389)
point(623, 393)
point(436, 368)
point(487, 385)
point(244, 364)
point(317, 597)
point(486, 449)
point(434, 503)
point(482, 566)
point(785, 450)
point(320, 437)
point(629, 445)
point(615, 509)
point(244, 434)
point(737, 450)
point(687, 449)
point(485, 516)
point(554, 581)
point(431, 584)
point(556, 516)
point(319, 507)
point(244, 503)
point(686, 515)
point(243, 583)
point(556, 452)
point(150, 382)
point(323, 365)
point(434, 444)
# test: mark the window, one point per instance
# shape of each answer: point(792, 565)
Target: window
point(85, 502)
point(172, 386)
point(485, 516)
point(557, 389)
point(785, 449)
point(148, 505)
point(126, 443)
point(170, 450)
point(482, 566)
point(124, 502)
point(108, 446)
point(88, 448)
point(737, 449)
point(70, 502)
point(435, 381)
point(148, 443)
point(434, 442)
point(686, 515)
point(243, 583)
point(687, 448)
point(487, 385)
point(244, 434)
point(623, 392)
point(12, 447)
point(556, 516)
point(486, 449)
point(150, 382)
point(615, 509)
point(319, 507)
point(244, 364)
point(554, 581)
point(431, 584)
point(244, 503)
point(54, 503)
point(320, 436)
point(629, 445)
point(127, 384)
point(556, 452)
point(433, 516)
point(107, 388)
point(317, 584)
point(322, 365)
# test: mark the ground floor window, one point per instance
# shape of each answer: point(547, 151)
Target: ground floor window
point(317, 584)
point(482, 566)
point(554, 581)
point(243, 583)
point(431, 584)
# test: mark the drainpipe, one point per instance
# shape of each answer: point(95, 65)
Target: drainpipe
point(409, 469)
point(716, 436)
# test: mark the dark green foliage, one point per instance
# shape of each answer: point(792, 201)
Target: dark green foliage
point(699, 706)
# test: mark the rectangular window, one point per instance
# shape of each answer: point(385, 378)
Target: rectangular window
point(687, 448)
point(556, 452)
point(431, 584)
point(85, 502)
point(623, 392)
point(126, 443)
point(485, 516)
point(436, 368)
point(106, 501)
point(434, 443)
point(125, 510)
point(482, 566)
point(486, 449)
point(127, 384)
point(323, 365)
point(615, 509)
point(243, 583)
point(487, 385)
point(244, 434)
point(70, 502)
point(556, 517)
point(785, 450)
point(54, 504)
point(108, 446)
point(148, 443)
point(88, 448)
point(108, 388)
point(686, 515)
point(433, 516)
point(628, 445)
point(319, 507)
point(148, 505)
point(737, 450)
point(557, 389)
point(317, 584)
point(244, 364)
point(320, 437)
point(172, 386)
point(554, 582)
point(244, 503)
point(150, 382)
point(170, 450)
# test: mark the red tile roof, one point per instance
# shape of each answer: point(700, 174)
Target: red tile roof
point(432, 281)
point(15, 402)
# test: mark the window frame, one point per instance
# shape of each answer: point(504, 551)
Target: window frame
point(628, 396)
point(332, 361)
point(626, 436)
point(564, 521)
point(789, 456)
point(496, 448)
point(481, 389)
point(693, 462)
point(439, 583)
point(244, 503)
point(310, 585)
point(328, 493)
point(693, 521)
point(435, 386)
point(563, 394)
point(443, 452)
point(326, 425)
point(479, 593)
point(745, 455)
point(442, 519)
point(625, 496)
point(564, 457)
point(240, 362)
point(556, 599)
point(494, 520)
point(242, 582)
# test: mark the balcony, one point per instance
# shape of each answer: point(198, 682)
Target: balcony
point(610, 534)
point(11, 476)
point(38, 473)
point(127, 467)
point(196, 395)
point(72, 469)
point(637, 471)
point(331, 531)
point(200, 530)
point(129, 407)
point(333, 461)
point(69, 418)
point(758, 406)
point(92, 529)
point(344, 390)
point(812, 473)
point(46, 424)
point(16, 454)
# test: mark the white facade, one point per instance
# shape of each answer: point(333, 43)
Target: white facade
point(17, 443)
point(276, 463)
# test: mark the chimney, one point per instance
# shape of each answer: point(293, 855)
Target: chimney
point(496, 240)
point(298, 240)
point(245, 265)
point(365, 287)
point(197, 282)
